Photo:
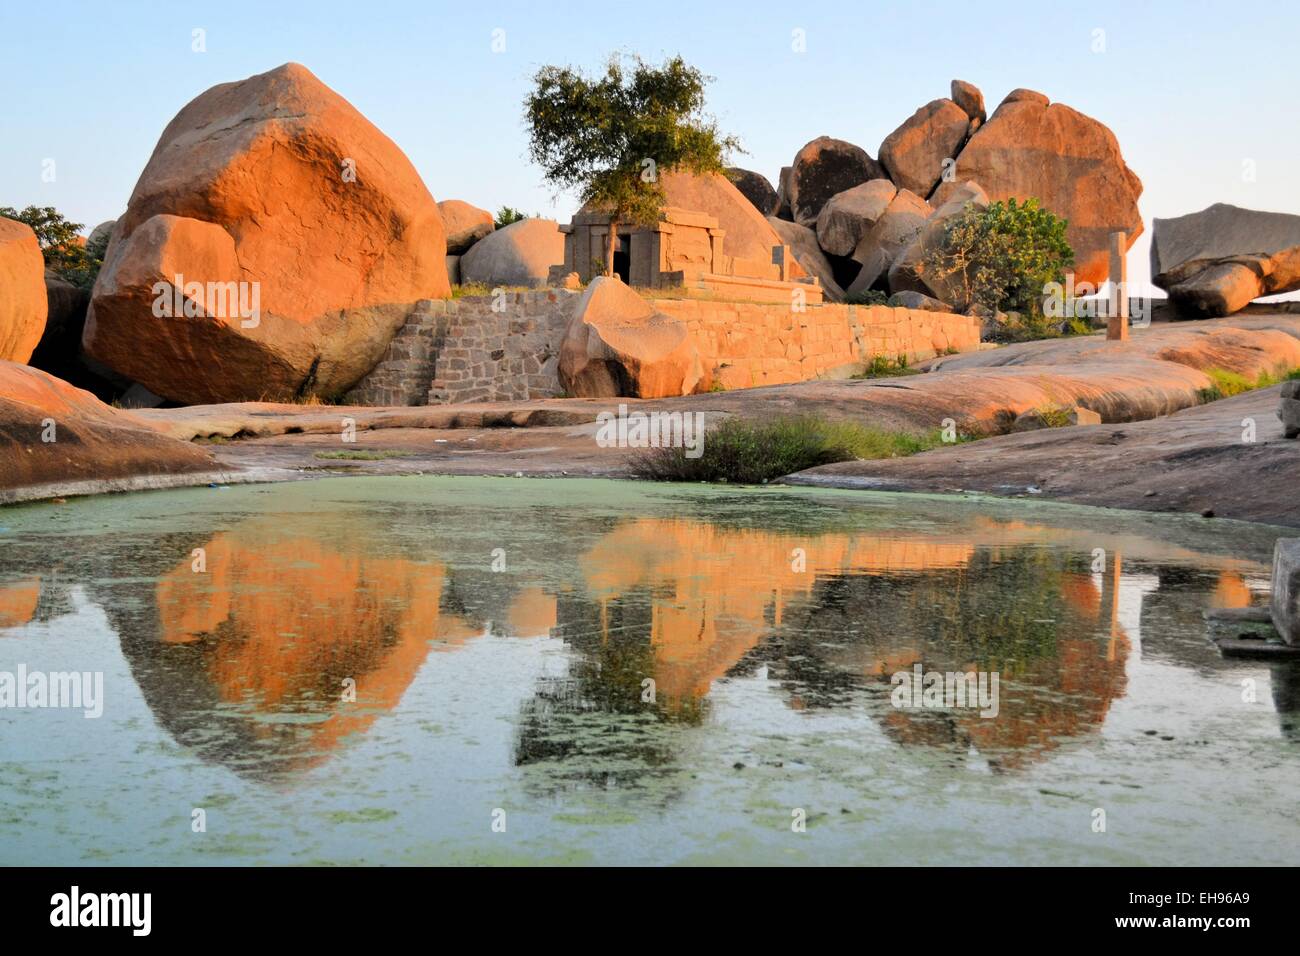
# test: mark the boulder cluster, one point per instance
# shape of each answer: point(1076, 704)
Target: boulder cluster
point(862, 224)
point(1215, 261)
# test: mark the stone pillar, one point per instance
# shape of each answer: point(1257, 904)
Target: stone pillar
point(1117, 320)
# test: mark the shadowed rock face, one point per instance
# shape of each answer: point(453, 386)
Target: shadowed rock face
point(821, 169)
point(52, 432)
point(277, 184)
point(22, 291)
point(1070, 162)
point(803, 246)
point(464, 224)
point(1215, 261)
point(755, 187)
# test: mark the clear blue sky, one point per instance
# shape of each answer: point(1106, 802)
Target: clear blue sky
point(1192, 89)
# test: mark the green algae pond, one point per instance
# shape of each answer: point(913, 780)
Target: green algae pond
point(426, 670)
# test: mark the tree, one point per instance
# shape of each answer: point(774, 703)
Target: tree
point(58, 241)
point(610, 136)
point(1003, 257)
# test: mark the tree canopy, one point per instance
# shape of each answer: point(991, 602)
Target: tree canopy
point(609, 136)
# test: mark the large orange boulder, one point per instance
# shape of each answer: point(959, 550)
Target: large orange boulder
point(22, 291)
point(1070, 162)
point(915, 153)
point(52, 434)
point(273, 245)
point(617, 345)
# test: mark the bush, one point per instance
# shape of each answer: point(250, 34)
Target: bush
point(58, 241)
point(1228, 383)
point(748, 452)
point(506, 215)
point(866, 297)
point(1002, 257)
point(882, 366)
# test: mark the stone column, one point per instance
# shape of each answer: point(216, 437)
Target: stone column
point(1117, 320)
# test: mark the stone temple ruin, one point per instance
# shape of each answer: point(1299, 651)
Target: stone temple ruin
point(683, 250)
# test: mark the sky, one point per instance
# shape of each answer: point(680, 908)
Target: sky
point(1201, 94)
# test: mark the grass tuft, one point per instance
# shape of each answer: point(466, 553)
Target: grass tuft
point(363, 455)
point(737, 451)
point(1228, 383)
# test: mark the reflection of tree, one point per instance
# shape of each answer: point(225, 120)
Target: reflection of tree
point(1027, 613)
point(593, 724)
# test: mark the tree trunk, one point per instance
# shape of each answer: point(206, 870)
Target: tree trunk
point(613, 242)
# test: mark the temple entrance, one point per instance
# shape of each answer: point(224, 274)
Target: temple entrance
point(623, 259)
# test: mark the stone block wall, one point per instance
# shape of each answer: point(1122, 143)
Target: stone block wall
point(746, 344)
point(506, 347)
point(502, 348)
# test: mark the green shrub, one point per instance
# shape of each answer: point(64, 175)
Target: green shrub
point(506, 215)
point(739, 451)
point(1002, 257)
point(1228, 383)
point(57, 237)
point(883, 366)
point(866, 297)
point(362, 454)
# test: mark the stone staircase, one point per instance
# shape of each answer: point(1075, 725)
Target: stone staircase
point(403, 375)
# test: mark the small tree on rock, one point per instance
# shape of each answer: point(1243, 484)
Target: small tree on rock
point(1002, 257)
point(610, 136)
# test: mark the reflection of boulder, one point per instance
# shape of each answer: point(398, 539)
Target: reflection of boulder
point(18, 602)
point(270, 631)
point(1052, 641)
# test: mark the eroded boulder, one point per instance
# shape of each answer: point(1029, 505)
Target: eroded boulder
point(317, 217)
point(617, 345)
point(521, 254)
point(23, 305)
point(464, 224)
point(915, 154)
point(892, 233)
point(1215, 261)
point(970, 99)
point(912, 271)
point(823, 168)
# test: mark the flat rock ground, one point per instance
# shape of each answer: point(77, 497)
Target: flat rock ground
point(1160, 451)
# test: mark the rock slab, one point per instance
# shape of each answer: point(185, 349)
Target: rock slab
point(1214, 262)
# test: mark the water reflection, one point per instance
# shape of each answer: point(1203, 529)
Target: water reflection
point(270, 646)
